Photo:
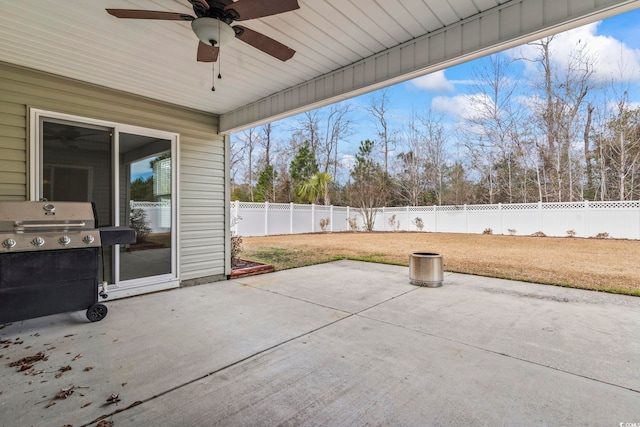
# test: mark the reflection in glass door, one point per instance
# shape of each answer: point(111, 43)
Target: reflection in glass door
point(145, 205)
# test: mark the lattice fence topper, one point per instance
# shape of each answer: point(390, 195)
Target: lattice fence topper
point(453, 208)
point(483, 207)
point(395, 210)
point(631, 204)
point(521, 207)
point(279, 206)
point(251, 205)
point(135, 204)
point(560, 205)
point(303, 208)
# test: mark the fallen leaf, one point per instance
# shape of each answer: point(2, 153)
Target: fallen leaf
point(61, 370)
point(64, 393)
point(114, 398)
point(105, 423)
point(88, 368)
point(29, 360)
point(50, 404)
point(78, 356)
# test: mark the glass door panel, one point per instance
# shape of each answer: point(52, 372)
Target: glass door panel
point(76, 166)
point(145, 205)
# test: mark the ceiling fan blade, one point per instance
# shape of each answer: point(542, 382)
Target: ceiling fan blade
point(251, 9)
point(264, 43)
point(202, 2)
point(207, 53)
point(149, 14)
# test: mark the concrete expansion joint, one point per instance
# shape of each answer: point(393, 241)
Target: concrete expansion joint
point(502, 354)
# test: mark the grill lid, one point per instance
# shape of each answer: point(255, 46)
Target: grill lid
point(29, 216)
point(32, 226)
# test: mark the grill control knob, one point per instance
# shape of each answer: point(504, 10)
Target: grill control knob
point(64, 240)
point(88, 239)
point(38, 241)
point(9, 243)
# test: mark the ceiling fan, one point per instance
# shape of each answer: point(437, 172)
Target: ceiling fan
point(212, 24)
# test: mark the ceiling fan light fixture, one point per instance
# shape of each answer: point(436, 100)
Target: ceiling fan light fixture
point(212, 31)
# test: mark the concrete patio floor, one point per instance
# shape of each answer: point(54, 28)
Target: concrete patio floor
point(345, 343)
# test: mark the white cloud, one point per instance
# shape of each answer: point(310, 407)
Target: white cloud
point(434, 82)
point(466, 107)
point(613, 60)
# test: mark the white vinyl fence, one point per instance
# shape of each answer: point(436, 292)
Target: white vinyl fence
point(586, 219)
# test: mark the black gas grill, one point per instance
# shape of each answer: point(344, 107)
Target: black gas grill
point(49, 257)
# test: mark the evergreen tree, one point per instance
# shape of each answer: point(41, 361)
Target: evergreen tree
point(142, 190)
point(302, 167)
point(266, 186)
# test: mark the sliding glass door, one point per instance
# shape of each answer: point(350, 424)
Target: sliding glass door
point(128, 173)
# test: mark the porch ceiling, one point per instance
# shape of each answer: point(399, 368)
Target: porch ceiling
point(157, 59)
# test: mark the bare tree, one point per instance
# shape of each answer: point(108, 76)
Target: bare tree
point(337, 127)
point(563, 92)
point(379, 109)
point(620, 150)
point(369, 187)
point(494, 124)
point(249, 140)
point(435, 145)
point(307, 128)
point(265, 141)
point(410, 168)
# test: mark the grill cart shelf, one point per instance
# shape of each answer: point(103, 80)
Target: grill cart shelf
point(49, 259)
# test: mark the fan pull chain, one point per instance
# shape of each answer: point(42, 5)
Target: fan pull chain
point(219, 50)
point(213, 77)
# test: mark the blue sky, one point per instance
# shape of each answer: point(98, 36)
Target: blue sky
point(613, 41)
point(141, 169)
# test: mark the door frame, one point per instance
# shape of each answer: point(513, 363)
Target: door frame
point(134, 286)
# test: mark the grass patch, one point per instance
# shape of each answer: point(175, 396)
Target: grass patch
point(286, 258)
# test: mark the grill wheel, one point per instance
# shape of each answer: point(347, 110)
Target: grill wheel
point(97, 312)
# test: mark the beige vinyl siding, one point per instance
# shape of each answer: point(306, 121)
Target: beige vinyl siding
point(201, 150)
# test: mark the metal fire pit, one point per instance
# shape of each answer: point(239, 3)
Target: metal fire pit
point(425, 269)
point(49, 256)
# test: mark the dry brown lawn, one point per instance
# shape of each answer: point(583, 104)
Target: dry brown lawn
point(598, 264)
